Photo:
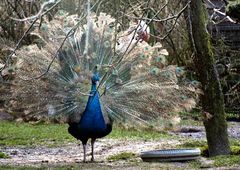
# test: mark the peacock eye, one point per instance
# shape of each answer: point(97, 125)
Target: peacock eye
point(158, 59)
point(142, 56)
point(97, 67)
point(154, 71)
point(107, 44)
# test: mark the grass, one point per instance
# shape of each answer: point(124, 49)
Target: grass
point(219, 161)
point(100, 166)
point(230, 160)
point(131, 133)
point(3, 155)
point(191, 118)
point(193, 144)
point(234, 146)
point(25, 134)
point(121, 156)
point(58, 167)
point(232, 116)
point(51, 135)
point(235, 142)
point(15, 134)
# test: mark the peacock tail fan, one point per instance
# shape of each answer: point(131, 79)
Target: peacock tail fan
point(136, 85)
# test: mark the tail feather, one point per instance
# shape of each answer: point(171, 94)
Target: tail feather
point(137, 87)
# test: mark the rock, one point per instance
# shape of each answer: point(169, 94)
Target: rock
point(14, 152)
point(205, 163)
point(5, 116)
point(19, 120)
point(45, 161)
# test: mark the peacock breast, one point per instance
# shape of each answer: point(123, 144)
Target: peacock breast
point(92, 120)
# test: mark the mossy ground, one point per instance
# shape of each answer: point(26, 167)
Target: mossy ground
point(3, 155)
point(122, 156)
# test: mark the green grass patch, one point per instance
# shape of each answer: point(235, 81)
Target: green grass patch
point(193, 144)
point(132, 133)
point(229, 160)
point(235, 150)
point(52, 135)
point(3, 155)
point(194, 114)
point(232, 116)
point(193, 117)
point(14, 134)
point(6, 167)
point(121, 156)
point(235, 142)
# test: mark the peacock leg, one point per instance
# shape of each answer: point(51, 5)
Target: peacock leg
point(92, 143)
point(84, 152)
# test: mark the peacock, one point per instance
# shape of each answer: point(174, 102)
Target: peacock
point(100, 75)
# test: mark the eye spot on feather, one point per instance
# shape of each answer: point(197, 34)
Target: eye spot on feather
point(179, 71)
point(107, 44)
point(96, 37)
point(142, 56)
point(183, 97)
point(97, 67)
point(154, 71)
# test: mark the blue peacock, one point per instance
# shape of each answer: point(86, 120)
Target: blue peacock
point(98, 78)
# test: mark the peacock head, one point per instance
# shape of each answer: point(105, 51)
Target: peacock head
point(95, 78)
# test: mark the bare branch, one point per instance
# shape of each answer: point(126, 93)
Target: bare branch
point(40, 13)
point(70, 32)
point(28, 30)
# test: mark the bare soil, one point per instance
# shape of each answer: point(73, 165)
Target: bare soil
point(73, 152)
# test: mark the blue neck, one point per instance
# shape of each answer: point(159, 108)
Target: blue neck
point(94, 87)
point(92, 119)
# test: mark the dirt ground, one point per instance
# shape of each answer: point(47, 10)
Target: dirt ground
point(72, 153)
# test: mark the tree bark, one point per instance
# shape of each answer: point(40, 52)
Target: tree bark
point(212, 99)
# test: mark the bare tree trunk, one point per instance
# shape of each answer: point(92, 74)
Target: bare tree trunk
point(212, 100)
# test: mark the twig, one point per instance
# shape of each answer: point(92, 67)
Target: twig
point(156, 14)
point(27, 31)
point(153, 18)
point(72, 30)
point(40, 13)
point(176, 17)
point(125, 52)
point(233, 87)
point(191, 30)
point(14, 8)
point(17, 45)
